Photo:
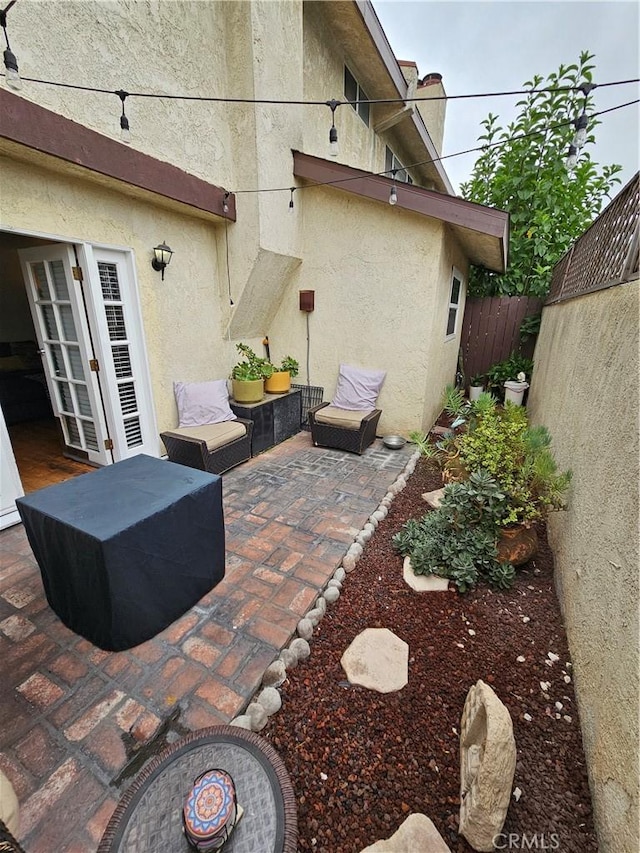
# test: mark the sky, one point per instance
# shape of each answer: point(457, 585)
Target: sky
point(481, 46)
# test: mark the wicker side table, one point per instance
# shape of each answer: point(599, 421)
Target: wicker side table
point(148, 817)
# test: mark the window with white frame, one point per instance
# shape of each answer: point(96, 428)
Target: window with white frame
point(392, 163)
point(455, 298)
point(353, 92)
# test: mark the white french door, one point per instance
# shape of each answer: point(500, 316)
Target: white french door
point(60, 319)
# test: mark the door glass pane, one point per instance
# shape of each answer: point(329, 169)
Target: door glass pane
point(60, 287)
point(49, 322)
point(75, 363)
point(451, 325)
point(73, 433)
point(66, 321)
point(84, 405)
point(66, 398)
point(57, 360)
point(40, 278)
point(89, 430)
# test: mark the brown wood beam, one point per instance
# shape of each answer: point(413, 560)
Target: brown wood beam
point(40, 129)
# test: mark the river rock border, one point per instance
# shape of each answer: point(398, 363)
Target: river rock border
point(267, 699)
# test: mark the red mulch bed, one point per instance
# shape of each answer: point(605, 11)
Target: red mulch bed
point(386, 756)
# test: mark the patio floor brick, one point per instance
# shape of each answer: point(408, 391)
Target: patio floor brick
point(73, 716)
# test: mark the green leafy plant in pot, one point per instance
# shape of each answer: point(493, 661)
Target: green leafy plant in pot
point(280, 380)
point(500, 441)
point(248, 376)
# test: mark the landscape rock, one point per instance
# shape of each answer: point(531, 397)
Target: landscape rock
point(321, 604)
point(377, 659)
point(355, 550)
point(305, 629)
point(349, 563)
point(433, 498)
point(314, 616)
point(242, 722)
point(270, 700)
point(339, 574)
point(288, 658)
point(300, 648)
point(423, 583)
point(257, 715)
point(488, 763)
point(331, 594)
point(335, 583)
point(275, 674)
point(417, 833)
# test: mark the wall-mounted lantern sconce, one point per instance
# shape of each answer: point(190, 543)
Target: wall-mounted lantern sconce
point(161, 258)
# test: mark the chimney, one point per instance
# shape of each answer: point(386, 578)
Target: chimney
point(432, 112)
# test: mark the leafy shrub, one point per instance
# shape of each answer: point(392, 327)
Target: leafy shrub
point(518, 457)
point(458, 540)
point(499, 373)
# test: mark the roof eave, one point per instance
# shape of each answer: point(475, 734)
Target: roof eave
point(482, 231)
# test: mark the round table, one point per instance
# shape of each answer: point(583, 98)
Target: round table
point(148, 818)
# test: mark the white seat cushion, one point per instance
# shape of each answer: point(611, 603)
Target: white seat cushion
point(215, 435)
point(345, 418)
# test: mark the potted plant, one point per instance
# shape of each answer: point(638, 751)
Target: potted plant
point(476, 386)
point(280, 380)
point(248, 376)
point(507, 370)
point(500, 441)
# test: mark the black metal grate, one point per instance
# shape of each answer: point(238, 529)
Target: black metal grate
point(311, 396)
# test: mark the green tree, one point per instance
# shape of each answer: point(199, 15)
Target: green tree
point(522, 170)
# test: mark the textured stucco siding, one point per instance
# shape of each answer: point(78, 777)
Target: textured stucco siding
point(381, 275)
point(182, 318)
point(172, 48)
point(324, 63)
point(585, 390)
point(380, 302)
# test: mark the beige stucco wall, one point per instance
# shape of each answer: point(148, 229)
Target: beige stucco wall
point(183, 315)
point(379, 303)
point(382, 276)
point(585, 390)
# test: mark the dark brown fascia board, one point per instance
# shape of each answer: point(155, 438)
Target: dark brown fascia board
point(456, 211)
point(28, 124)
point(379, 38)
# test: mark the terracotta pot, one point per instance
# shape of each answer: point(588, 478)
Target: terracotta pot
point(278, 383)
point(517, 545)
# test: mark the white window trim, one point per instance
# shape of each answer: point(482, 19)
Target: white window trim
point(455, 274)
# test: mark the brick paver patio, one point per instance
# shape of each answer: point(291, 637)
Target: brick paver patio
point(78, 723)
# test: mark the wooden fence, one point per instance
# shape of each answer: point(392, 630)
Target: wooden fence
point(491, 330)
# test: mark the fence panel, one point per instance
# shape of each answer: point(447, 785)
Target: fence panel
point(491, 330)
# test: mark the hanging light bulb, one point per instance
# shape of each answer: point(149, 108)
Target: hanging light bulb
point(572, 159)
point(125, 133)
point(11, 74)
point(333, 133)
point(393, 195)
point(581, 131)
point(225, 204)
point(293, 189)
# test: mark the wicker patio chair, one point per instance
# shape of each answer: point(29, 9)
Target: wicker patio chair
point(214, 447)
point(343, 430)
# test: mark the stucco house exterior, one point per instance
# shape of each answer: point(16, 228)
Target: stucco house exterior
point(80, 211)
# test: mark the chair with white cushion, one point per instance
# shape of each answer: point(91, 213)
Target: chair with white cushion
point(209, 436)
point(350, 421)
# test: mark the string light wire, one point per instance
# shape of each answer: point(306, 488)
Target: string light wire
point(478, 148)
